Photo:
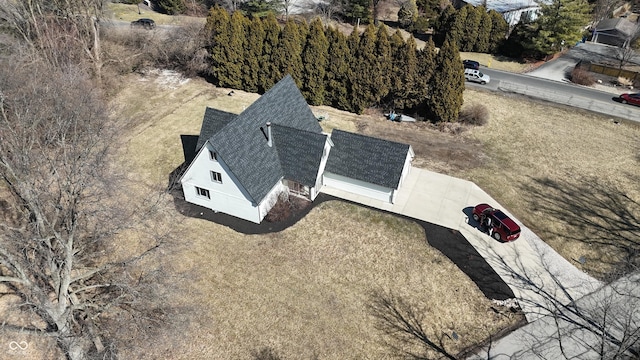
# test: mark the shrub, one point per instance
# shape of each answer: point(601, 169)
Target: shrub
point(281, 210)
point(288, 205)
point(582, 77)
point(476, 114)
point(266, 353)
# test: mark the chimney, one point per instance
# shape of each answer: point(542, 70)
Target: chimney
point(269, 140)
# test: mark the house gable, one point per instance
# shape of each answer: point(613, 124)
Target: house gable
point(209, 182)
point(364, 158)
point(214, 120)
point(243, 145)
point(300, 153)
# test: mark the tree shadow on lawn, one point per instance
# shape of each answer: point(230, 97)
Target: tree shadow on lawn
point(596, 213)
point(448, 241)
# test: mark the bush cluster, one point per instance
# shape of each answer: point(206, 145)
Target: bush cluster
point(581, 76)
point(476, 114)
point(287, 205)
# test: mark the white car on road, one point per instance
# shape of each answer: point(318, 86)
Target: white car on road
point(476, 76)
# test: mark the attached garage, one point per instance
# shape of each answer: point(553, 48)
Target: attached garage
point(367, 166)
point(358, 187)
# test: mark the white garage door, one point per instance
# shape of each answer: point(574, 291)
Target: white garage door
point(357, 187)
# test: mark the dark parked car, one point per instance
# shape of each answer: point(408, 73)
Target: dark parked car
point(144, 23)
point(630, 99)
point(497, 223)
point(471, 64)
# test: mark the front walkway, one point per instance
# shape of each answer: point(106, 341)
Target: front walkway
point(533, 270)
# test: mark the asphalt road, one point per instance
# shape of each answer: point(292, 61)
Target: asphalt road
point(562, 92)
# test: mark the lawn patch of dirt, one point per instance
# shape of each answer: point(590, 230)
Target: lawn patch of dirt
point(434, 149)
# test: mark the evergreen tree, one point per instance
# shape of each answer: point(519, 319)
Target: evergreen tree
point(484, 31)
point(353, 42)
point(235, 53)
point(499, 28)
point(288, 53)
point(219, 26)
point(303, 30)
point(269, 71)
point(444, 24)
point(408, 13)
point(355, 10)
point(258, 8)
point(412, 91)
point(426, 68)
point(383, 63)
point(314, 61)
point(470, 28)
point(398, 60)
point(429, 8)
point(171, 7)
point(560, 24)
point(405, 82)
point(447, 85)
point(253, 51)
point(456, 33)
point(364, 92)
point(338, 70)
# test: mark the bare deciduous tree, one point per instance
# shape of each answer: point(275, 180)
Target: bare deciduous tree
point(604, 324)
point(603, 9)
point(61, 30)
point(59, 216)
point(327, 10)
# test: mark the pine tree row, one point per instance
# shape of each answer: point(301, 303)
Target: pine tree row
point(347, 72)
point(473, 28)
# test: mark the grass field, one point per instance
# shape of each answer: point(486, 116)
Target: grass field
point(305, 291)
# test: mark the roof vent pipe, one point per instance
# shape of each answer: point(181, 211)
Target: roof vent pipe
point(269, 139)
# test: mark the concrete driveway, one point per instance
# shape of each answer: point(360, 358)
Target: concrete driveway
point(532, 270)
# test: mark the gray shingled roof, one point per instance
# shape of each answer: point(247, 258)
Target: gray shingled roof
point(622, 25)
point(300, 153)
point(242, 145)
point(367, 159)
point(214, 120)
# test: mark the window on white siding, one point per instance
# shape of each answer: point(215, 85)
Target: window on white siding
point(213, 155)
point(216, 176)
point(203, 192)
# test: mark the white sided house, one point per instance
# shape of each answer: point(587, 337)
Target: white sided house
point(244, 162)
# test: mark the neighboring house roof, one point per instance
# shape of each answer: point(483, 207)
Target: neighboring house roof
point(300, 153)
point(621, 26)
point(501, 6)
point(367, 159)
point(214, 120)
point(242, 142)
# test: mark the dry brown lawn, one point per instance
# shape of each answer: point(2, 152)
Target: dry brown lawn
point(497, 62)
point(570, 175)
point(303, 292)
